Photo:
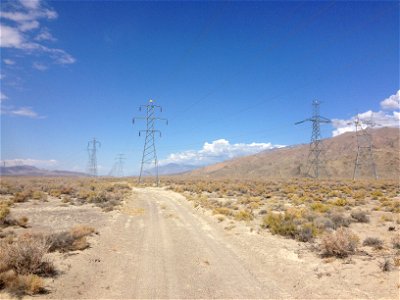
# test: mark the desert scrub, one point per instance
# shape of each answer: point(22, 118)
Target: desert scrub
point(72, 240)
point(360, 216)
point(339, 219)
point(22, 261)
point(222, 211)
point(320, 207)
point(374, 242)
point(290, 224)
point(396, 242)
point(244, 215)
point(4, 212)
point(340, 202)
point(22, 196)
point(340, 243)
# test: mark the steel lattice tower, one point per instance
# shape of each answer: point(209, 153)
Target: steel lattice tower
point(92, 149)
point(119, 169)
point(364, 148)
point(149, 158)
point(314, 160)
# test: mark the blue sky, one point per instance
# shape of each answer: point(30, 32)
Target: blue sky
point(234, 75)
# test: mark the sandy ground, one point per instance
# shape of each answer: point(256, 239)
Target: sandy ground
point(158, 246)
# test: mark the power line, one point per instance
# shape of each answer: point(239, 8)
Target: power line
point(314, 160)
point(350, 32)
point(294, 31)
point(149, 150)
point(92, 163)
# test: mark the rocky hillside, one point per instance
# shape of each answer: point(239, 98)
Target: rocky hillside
point(291, 161)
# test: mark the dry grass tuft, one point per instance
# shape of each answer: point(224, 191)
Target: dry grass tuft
point(340, 243)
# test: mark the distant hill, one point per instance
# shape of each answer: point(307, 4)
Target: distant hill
point(291, 161)
point(33, 171)
point(171, 169)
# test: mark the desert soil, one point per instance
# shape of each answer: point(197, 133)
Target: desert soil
point(158, 246)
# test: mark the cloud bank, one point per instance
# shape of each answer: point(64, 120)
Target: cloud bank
point(388, 116)
point(216, 151)
point(29, 162)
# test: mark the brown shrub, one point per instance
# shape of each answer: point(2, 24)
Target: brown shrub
point(16, 284)
point(24, 256)
point(340, 243)
point(22, 221)
point(74, 239)
point(4, 212)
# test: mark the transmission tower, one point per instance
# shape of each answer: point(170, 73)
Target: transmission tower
point(149, 164)
point(92, 149)
point(364, 147)
point(314, 161)
point(119, 169)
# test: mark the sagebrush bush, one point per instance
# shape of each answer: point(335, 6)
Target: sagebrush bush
point(290, 224)
point(360, 216)
point(373, 242)
point(340, 243)
point(72, 240)
point(339, 220)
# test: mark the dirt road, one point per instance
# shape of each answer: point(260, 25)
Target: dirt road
point(159, 246)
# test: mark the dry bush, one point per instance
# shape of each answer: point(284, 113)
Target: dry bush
point(4, 212)
point(386, 265)
point(360, 216)
point(373, 242)
point(25, 255)
point(222, 211)
point(19, 285)
point(340, 243)
point(22, 221)
point(22, 196)
point(339, 220)
point(244, 215)
point(396, 241)
point(72, 240)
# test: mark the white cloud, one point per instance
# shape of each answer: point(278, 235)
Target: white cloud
point(380, 118)
point(392, 103)
point(3, 97)
point(9, 61)
point(39, 66)
point(28, 162)
point(21, 112)
point(10, 37)
point(217, 151)
point(26, 26)
point(18, 30)
point(30, 4)
point(45, 35)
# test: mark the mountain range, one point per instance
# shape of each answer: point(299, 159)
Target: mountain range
point(33, 171)
point(291, 161)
